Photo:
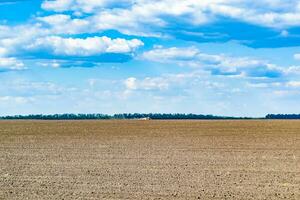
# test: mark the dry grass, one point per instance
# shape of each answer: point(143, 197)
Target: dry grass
point(150, 160)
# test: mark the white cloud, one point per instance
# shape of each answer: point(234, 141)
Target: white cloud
point(265, 85)
point(64, 24)
point(36, 37)
point(297, 56)
point(25, 88)
point(126, 22)
point(190, 56)
point(292, 70)
point(137, 16)
point(186, 56)
point(284, 33)
point(3, 51)
point(170, 54)
point(131, 83)
point(11, 64)
point(50, 63)
point(15, 38)
point(55, 19)
point(16, 99)
point(85, 47)
point(156, 83)
point(57, 5)
point(163, 82)
point(295, 84)
point(86, 6)
point(220, 63)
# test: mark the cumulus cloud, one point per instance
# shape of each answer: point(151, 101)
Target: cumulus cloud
point(85, 47)
point(138, 15)
point(15, 38)
point(39, 42)
point(64, 24)
point(192, 56)
point(217, 64)
point(143, 17)
point(185, 56)
point(86, 6)
point(57, 5)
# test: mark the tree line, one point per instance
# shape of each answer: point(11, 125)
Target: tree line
point(283, 116)
point(154, 116)
point(157, 116)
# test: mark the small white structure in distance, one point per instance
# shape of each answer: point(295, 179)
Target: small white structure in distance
point(144, 118)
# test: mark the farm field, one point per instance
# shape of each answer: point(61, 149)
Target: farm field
point(150, 159)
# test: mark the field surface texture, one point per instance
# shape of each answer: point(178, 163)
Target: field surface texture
point(150, 160)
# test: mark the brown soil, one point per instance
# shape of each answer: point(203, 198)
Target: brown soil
point(150, 160)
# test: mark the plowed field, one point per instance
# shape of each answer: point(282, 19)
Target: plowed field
point(150, 160)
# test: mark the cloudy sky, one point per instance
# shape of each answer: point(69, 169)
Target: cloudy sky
point(221, 57)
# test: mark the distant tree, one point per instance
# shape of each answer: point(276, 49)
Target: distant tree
point(158, 116)
point(283, 116)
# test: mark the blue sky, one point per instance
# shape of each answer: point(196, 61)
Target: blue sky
point(221, 57)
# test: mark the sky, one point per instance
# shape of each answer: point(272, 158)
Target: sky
point(220, 57)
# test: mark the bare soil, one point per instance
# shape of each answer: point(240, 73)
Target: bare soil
point(150, 160)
